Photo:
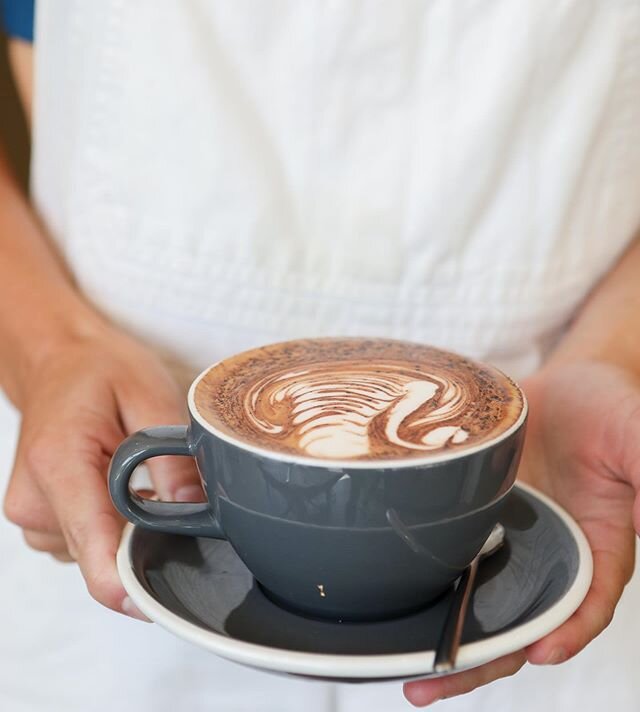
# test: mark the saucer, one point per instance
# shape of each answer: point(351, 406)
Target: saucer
point(200, 590)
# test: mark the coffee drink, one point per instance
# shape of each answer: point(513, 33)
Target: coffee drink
point(357, 399)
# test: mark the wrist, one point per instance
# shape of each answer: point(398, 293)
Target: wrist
point(35, 340)
point(605, 327)
point(620, 348)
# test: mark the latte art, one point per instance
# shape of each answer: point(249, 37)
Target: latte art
point(330, 414)
point(356, 399)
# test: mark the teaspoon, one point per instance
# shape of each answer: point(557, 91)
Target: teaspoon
point(449, 643)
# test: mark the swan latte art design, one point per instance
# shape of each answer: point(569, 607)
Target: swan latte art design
point(332, 413)
point(357, 399)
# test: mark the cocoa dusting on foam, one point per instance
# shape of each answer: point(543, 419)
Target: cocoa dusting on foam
point(357, 399)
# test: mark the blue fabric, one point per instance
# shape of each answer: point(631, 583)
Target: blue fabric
point(16, 18)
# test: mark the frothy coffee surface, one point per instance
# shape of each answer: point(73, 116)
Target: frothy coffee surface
point(357, 399)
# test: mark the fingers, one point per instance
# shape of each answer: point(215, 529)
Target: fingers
point(610, 575)
point(175, 478)
point(54, 544)
point(424, 692)
point(95, 533)
point(160, 403)
point(25, 504)
point(58, 489)
point(90, 526)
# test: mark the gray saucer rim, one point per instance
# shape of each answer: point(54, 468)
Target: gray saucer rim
point(362, 667)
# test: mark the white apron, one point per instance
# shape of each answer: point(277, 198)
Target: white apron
point(224, 174)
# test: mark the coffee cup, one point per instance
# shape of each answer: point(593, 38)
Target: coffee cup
point(356, 478)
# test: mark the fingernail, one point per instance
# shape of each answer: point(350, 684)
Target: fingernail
point(557, 655)
point(189, 493)
point(130, 609)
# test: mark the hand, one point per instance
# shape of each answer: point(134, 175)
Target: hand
point(582, 449)
point(78, 405)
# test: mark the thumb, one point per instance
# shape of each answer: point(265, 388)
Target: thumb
point(174, 478)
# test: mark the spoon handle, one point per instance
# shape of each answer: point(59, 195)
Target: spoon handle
point(449, 643)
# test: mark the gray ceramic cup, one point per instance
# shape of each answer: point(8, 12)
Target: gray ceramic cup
point(358, 541)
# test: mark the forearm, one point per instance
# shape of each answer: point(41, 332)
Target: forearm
point(20, 55)
point(39, 305)
point(607, 327)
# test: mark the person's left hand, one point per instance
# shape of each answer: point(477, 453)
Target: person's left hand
point(583, 449)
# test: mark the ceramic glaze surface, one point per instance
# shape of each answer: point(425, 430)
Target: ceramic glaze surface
point(317, 537)
point(204, 583)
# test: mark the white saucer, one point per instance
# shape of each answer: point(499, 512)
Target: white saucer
point(199, 590)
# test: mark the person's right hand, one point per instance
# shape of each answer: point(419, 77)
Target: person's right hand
point(77, 406)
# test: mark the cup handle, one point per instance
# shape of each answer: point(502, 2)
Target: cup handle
point(195, 519)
